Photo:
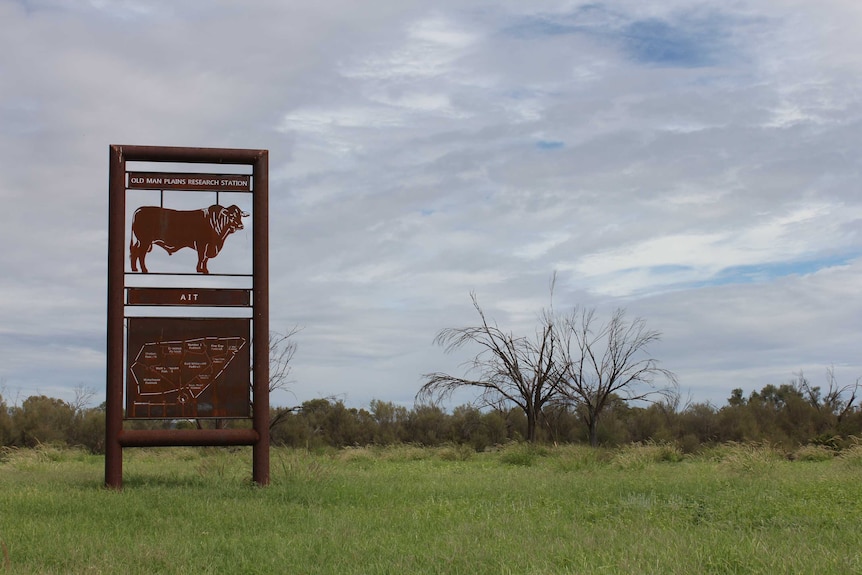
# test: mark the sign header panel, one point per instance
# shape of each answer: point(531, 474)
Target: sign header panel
point(190, 182)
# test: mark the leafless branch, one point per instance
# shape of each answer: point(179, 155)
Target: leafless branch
point(607, 360)
point(507, 368)
point(282, 348)
point(83, 396)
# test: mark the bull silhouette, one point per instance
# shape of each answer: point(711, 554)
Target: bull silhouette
point(203, 230)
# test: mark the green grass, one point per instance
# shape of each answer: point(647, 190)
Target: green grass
point(639, 509)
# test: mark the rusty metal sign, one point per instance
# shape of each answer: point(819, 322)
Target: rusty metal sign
point(189, 182)
point(188, 367)
point(188, 297)
point(204, 230)
point(202, 365)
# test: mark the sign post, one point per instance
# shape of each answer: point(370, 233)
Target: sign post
point(181, 344)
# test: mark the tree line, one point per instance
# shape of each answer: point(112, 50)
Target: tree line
point(786, 415)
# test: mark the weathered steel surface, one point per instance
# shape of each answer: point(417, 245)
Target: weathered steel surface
point(204, 230)
point(115, 330)
point(189, 297)
point(187, 437)
point(189, 182)
point(116, 437)
point(181, 154)
point(260, 285)
point(188, 368)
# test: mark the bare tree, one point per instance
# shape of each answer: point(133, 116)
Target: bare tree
point(507, 369)
point(282, 348)
point(83, 396)
point(602, 361)
point(835, 401)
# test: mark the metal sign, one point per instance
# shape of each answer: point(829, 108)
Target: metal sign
point(179, 181)
point(203, 364)
point(188, 297)
point(188, 368)
point(204, 230)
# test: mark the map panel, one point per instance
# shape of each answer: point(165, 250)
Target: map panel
point(188, 367)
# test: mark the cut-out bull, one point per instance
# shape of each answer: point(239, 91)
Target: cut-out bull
point(203, 230)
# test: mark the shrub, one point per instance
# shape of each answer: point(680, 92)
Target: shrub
point(638, 455)
point(577, 457)
point(456, 452)
point(42, 419)
point(750, 457)
point(813, 453)
point(852, 456)
point(521, 454)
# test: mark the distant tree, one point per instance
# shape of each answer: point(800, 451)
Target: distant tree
point(469, 426)
point(494, 427)
point(738, 420)
point(561, 423)
point(783, 414)
point(651, 423)
point(390, 420)
point(603, 361)
point(428, 425)
point(282, 348)
point(348, 426)
point(89, 429)
point(837, 400)
point(701, 421)
point(83, 396)
point(508, 369)
point(5, 423)
point(42, 419)
point(736, 398)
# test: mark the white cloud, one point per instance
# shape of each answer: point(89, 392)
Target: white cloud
point(430, 49)
point(419, 153)
point(670, 260)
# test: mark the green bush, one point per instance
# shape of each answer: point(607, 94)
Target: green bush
point(813, 453)
point(456, 452)
point(520, 454)
point(750, 457)
point(852, 456)
point(638, 455)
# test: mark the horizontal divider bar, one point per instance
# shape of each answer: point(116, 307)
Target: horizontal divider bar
point(187, 437)
point(197, 274)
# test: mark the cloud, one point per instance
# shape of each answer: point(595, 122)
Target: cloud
point(779, 243)
point(691, 161)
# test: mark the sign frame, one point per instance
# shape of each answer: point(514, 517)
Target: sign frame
point(116, 437)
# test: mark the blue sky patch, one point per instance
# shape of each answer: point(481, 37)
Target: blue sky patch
point(550, 145)
point(766, 272)
point(683, 44)
point(684, 40)
point(587, 19)
point(669, 269)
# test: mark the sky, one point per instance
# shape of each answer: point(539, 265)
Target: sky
point(695, 162)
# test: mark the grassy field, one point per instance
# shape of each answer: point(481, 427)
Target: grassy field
point(640, 509)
